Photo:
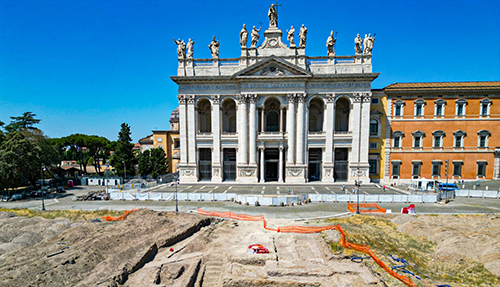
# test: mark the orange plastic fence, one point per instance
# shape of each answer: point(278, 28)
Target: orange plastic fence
point(310, 229)
point(366, 208)
point(118, 218)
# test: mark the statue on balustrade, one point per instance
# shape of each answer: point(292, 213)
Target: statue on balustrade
point(255, 36)
point(357, 45)
point(181, 48)
point(303, 36)
point(273, 16)
point(214, 48)
point(190, 48)
point(330, 44)
point(243, 36)
point(291, 37)
point(368, 42)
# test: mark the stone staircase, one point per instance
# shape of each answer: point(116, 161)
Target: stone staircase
point(214, 267)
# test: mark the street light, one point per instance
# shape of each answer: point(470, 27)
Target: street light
point(358, 185)
point(175, 182)
point(124, 171)
point(43, 203)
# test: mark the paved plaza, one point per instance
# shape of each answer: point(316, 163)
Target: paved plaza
point(279, 189)
point(305, 211)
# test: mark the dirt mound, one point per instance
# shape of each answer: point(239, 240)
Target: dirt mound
point(458, 238)
point(87, 254)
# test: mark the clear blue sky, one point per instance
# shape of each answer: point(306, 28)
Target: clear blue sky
point(87, 66)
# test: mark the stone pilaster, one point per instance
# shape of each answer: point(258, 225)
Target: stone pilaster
point(297, 173)
point(358, 168)
point(280, 167)
point(290, 129)
point(252, 127)
point(216, 151)
point(187, 166)
point(262, 180)
point(328, 165)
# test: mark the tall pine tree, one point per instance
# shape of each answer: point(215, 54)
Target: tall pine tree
point(123, 157)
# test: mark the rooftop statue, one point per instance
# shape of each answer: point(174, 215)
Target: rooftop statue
point(303, 36)
point(357, 45)
point(181, 48)
point(368, 42)
point(243, 36)
point(190, 48)
point(273, 16)
point(255, 36)
point(214, 48)
point(290, 36)
point(330, 44)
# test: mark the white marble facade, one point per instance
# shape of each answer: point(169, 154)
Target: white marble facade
point(274, 115)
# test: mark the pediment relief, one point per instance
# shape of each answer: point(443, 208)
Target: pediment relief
point(272, 67)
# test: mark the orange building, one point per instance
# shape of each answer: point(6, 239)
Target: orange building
point(169, 141)
point(435, 125)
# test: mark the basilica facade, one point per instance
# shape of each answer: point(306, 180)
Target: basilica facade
point(274, 114)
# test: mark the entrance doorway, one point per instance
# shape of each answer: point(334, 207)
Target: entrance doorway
point(205, 164)
point(341, 164)
point(314, 167)
point(229, 165)
point(271, 156)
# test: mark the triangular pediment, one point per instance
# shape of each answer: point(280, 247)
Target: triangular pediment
point(273, 67)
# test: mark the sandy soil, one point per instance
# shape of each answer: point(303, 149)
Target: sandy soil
point(167, 249)
point(475, 237)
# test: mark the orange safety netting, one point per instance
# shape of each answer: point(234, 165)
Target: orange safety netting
point(310, 229)
point(118, 218)
point(366, 208)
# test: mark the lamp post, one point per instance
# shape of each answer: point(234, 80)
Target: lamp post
point(124, 171)
point(358, 185)
point(43, 203)
point(176, 205)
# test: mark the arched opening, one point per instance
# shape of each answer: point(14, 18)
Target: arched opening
point(204, 116)
point(316, 113)
point(272, 115)
point(229, 116)
point(342, 110)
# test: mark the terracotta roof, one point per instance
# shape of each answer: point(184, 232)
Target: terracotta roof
point(463, 87)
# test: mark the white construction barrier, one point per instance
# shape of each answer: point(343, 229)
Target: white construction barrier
point(142, 196)
point(128, 195)
point(429, 198)
point(399, 198)
point(155, 195)
point(371, 197)
point(385, 198)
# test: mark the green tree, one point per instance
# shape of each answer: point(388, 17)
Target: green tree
point(97, 147)
point(123, 153)
point(77, 144)
point(26, 121)
point(158, 162)
point(145, 163)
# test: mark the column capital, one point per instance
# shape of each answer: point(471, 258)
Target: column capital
point(215, 99)
point(182, 99)
point(290, 97)
point(190, 99)
point(330, 98)
point(301, 97)
point(241, 98)
point(252, 98)
point(367, 97)
point(357, 97)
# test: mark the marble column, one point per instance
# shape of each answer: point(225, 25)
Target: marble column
point(300, 129)
point(262, 123)
point(262, 165)
point(242, 131)
point(280, 167)
point(191, 130)
point(355, 127)
point(329, 128)
point(216, 151)
point(281, 119)
point(290, 122)
point(365, 128)
point(253, 133)
point(183, 130)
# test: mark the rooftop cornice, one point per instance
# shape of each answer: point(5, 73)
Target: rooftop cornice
point(442, 88)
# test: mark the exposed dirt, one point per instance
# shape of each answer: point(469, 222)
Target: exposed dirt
point(168, 249)
point(459, 238)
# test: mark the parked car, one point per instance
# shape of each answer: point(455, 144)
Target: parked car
point(17, 196)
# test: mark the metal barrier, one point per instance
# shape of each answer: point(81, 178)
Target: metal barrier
point(477, 193)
